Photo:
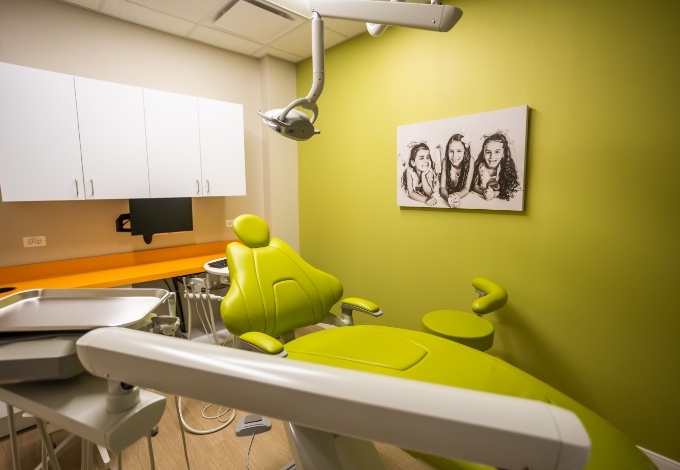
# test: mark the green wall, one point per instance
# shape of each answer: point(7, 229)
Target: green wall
point(592, 264)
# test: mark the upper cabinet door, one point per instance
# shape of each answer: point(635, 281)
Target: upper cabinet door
point(112, 139)
point(39, 144)
point(173, 144)
point(222, 148)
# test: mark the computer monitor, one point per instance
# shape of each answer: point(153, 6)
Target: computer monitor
point(160, 215)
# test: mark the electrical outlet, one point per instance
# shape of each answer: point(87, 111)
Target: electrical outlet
point(230, 222)
point(30, 242)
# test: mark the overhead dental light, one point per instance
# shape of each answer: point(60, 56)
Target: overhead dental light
point(297, 125)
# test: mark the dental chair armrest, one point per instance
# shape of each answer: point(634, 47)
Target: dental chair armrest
point(350, 304)
point(491, 296)
point(262, 342)
point(360, 305)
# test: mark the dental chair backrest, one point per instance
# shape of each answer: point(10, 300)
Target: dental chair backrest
point(273, 290)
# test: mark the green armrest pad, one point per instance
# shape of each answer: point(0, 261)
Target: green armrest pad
point(496, 297)
point(262, 341)
point(360, 304)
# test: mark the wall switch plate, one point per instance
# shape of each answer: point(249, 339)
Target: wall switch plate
point(230, 222)
point(30, 242)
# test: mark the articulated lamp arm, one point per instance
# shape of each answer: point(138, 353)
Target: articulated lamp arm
point(290, 122)
point(297, 125)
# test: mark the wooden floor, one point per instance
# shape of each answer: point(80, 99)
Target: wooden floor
point(221, 450)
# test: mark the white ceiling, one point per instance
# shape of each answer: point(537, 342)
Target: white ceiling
point(249, 27)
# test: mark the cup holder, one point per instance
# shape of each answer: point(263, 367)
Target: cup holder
point(6, 289)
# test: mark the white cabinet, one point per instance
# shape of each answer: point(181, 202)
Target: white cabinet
point(222, 148)
point(67, 138)
point(112, 140)
point(173, 146)
point(39, 143)
point(195, 146)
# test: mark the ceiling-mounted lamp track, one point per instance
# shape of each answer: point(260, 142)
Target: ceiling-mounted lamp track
point(297, 125)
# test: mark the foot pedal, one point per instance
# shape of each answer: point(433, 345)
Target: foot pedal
point(253, 424)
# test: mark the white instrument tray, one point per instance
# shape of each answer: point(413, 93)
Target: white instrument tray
point(76, 309)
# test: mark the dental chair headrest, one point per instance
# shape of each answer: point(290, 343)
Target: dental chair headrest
point(251, 230)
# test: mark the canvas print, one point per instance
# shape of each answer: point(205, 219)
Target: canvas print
point(467, 162)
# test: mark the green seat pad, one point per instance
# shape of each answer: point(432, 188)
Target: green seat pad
point(361, 346)
point(410, 354)
point(462, 327)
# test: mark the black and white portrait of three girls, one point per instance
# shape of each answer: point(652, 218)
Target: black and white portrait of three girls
point(468, 162)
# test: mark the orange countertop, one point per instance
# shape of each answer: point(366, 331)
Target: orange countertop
point(111, 270)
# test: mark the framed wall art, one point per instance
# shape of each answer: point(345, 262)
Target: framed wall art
point(468, 162)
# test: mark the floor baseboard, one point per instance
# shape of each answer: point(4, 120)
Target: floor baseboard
point(661, 462)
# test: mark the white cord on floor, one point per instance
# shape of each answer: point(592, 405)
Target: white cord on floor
point(223, 424)
point(248, 454)
point(184, 439)
point(152, 460)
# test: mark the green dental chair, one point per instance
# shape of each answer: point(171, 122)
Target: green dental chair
point(274, 291)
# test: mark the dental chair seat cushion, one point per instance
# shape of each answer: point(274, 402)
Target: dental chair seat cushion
point(409, 354)
point(354, 348)
point(363, 346)
point(461, 327)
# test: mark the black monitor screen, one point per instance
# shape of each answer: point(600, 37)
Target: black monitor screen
point(162, 215)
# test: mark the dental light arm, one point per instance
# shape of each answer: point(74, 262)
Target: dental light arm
point(430, 17)
point(295, 124)
point(507, 432)
point(290, 122)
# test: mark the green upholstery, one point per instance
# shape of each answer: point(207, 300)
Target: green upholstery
point(273, 291)
point(461, 327)
point(449, 363)
point(262, 342)
point(355, 303)
point(494, 296)
point(467, 328)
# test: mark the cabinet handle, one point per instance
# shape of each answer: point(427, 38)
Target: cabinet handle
point(207, 185)
point(77, 191)
point(198, 187)
point(91, 188)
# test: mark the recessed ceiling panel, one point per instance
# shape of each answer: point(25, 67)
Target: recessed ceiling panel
point(344, 27)
point(90, 4)
point(252, 21)
point(224, 40)
point(299, 41)
point(252, 27)
point(147, 17)
point(194, 10)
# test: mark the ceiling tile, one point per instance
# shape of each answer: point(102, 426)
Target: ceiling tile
point(147, 17)
point(344, 27)
point(250, 20)
point(245, 30)
point(299, 40)
point(192, 10)
point(224, 40)
point(91, 4)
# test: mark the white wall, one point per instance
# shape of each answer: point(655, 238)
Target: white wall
point(55, 36)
